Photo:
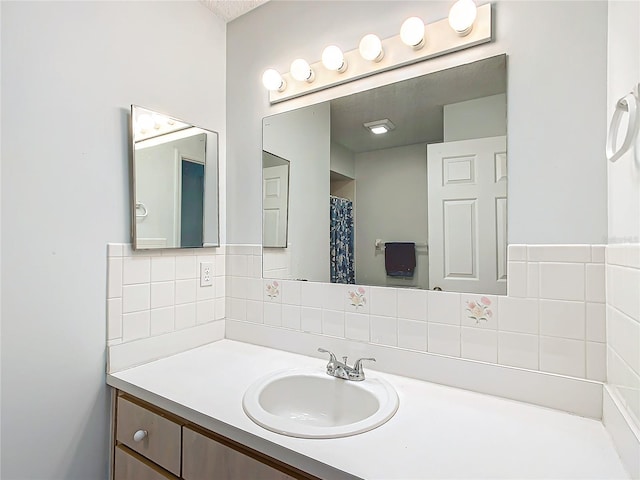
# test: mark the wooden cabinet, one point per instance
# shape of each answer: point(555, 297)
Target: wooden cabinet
point(151, 444)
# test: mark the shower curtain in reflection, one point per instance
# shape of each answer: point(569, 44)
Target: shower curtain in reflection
point(342, 268)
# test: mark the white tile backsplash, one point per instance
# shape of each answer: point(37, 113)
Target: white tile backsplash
point(162, 294)
point(291, 316)
point(136, 298)
point(333, 323)
point(185, 291)
point(443, 339)
point(114, 318)
point(384, 330)
point(412, 304)
point(333, 296)
point(273, 314)
point(518, 315)
point(562, 281)
point(595, 282)
point(384, 301)
point(136, 270)
point(163, 269)
point(517, 275)
point(518, 350)
point(562, 355)
point(114, 277)
point(443, 307)
point(356, 326)
point(311, 319)
point(596, 322)
point(162, 320)
point(185, 316)
point(479, 344)
point(135, 325)
point(412, 334)
point(562, 319)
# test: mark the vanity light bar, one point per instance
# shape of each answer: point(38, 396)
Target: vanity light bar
point(440, 39)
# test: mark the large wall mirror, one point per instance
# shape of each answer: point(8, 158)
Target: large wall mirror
point(403, 185)
point(174, 180)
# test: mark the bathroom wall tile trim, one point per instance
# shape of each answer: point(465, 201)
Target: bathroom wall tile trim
point(156, 306)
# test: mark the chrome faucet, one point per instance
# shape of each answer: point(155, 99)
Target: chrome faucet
point(339, 369)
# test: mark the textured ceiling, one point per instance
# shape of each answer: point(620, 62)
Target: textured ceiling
point(230, 9)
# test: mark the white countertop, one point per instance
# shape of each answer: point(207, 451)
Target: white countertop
point(437, 432)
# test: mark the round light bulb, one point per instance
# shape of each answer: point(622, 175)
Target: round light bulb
point(301, 71)
point(333, 59)
point(273, 81)
point(412, 32)
point(371, 48)
point(462, 15)
point(145, 122)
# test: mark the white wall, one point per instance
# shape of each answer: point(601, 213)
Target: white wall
point(70, 71)
point(308, 151)
point(390, 183)
point(556, 91)
point(477, 118)
point(342, 160)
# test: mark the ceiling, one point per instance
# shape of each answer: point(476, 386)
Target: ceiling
point(415, 106)
point(230, 9)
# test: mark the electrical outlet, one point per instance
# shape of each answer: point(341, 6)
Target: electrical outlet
point(206, 274)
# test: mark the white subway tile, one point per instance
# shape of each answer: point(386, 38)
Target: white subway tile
point(237, 265)
point(623, 285)
point(596, 361)
point(562, 319)
point(221, 265)
point(357, 299)
point(205, 311)
point(185, 267)
point(257, 267)
point(311, 319)
point(272, 314)
point(598, 253)
point(135, 325)
point(518, 350)
point(220, 287)
point(254, 289)
point(533, 280)
point(162, 294)
point(185, 291)
point(136, 298)
point(443, 339)
point(479, 311)
point(517, 279)
point(412, 334)
point(517, 253)
point(443, 307)
point(114, 278)
point(559, 253)
point(384, 330)
point(163, 269)
point(136, 270)
point(623, 335)
point(562, 281)
point(357, 326)
point(333, 296)
point(272, 291)
point(114, 318)
point(595, 283)
point(185, 316)
point(162, 320)
point(562, 355)
point(311, 294)
point(627, 255)
point(115, 249)
point(480, 344)
point(255, 311)
point(412, 304)
point(383, 302)
point(291, 316)
point(596, 321)
point(625, 381)
point(220, 306)
point(518, 315)
point(291, 292)
point(333, 323)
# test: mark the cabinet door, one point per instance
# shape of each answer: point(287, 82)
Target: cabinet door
point(130, 467)
point(160, 444)
point(206, 459)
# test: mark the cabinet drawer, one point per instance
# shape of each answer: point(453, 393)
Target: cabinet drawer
point(205, 459)
point(162, 442)
point(129, 466)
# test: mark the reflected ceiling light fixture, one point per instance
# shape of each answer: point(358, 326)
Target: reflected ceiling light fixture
point(462, 16)
point(333, 59)
point(379, 126)
point(145, 123)
point(371, 48)
point(272, 80)
point(412, 33)
point(302, 71)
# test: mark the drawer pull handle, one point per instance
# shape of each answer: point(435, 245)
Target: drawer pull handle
point(140, 435)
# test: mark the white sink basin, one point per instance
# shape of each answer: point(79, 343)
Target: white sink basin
point(312, 404)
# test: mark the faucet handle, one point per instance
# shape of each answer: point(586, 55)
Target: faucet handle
point(358, 365)
point(332, 357)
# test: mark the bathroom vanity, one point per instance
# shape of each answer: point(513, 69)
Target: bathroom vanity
point(193, 402)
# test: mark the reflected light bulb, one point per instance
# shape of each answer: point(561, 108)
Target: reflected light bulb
point(333, 59)
point(301, 71)
point(145, 122)
point(371, 48)
point(273, 81)
point(412, 32)
point(462, 15)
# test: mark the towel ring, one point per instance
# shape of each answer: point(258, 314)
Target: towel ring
point(628, 103)
point(141, 206)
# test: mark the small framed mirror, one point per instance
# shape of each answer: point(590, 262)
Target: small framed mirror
point(174, 182)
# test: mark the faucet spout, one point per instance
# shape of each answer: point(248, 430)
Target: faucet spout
point(339, 369)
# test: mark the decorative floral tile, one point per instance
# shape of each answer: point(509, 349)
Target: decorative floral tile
point(357, 300)
point(479, 311)
point(272, 291)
